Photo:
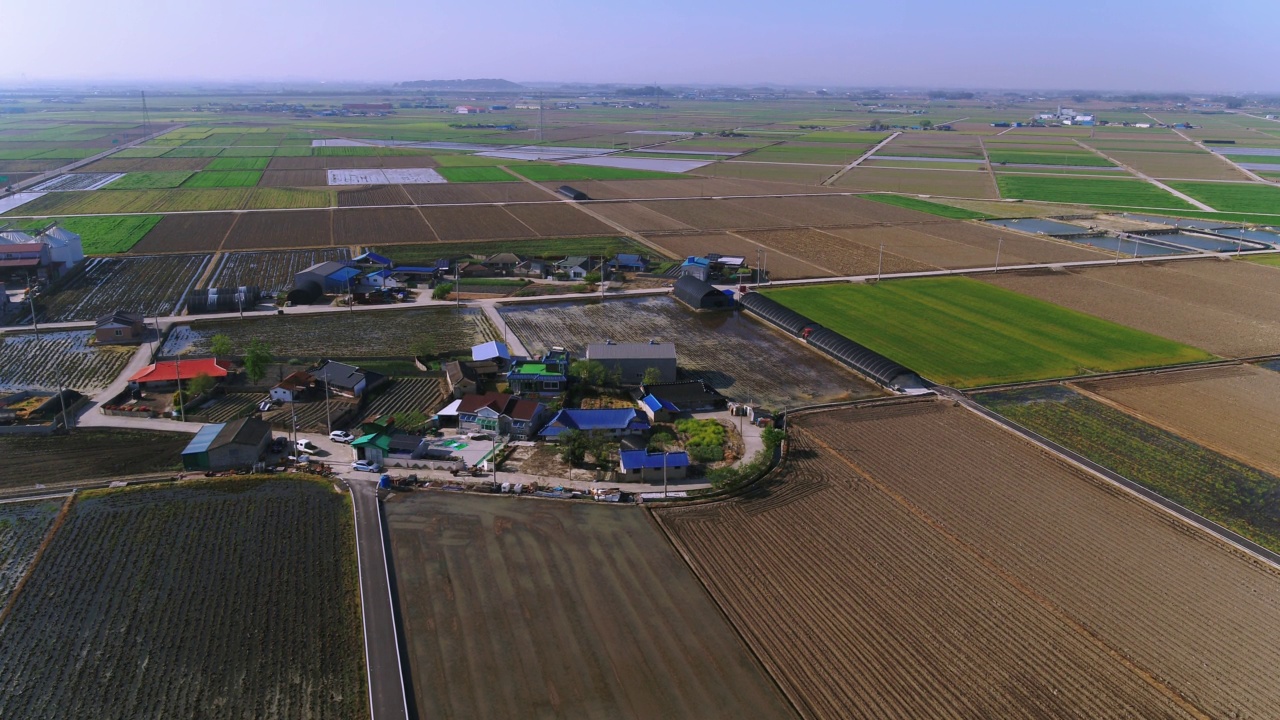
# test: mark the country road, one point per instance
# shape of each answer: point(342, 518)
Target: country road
point(387, 687)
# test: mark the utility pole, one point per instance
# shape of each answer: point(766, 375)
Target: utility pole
point(880, 263)
point(999, 245)
point(328, 422)
point(457, 287)
point(664, 472)
point(35, 329)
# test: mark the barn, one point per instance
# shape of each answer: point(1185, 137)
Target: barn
point(701, 295)
point(227, 446)
point(631, 360)
point(326, 278)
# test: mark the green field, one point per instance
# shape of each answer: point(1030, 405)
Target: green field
point(835, 136)
point(193, 152)
point(456, 160)
point(1272, 260)
point(1265, 159)
point(1088, 191)
point(475, 174)
point(226, 178)
point(150, 180)
point(1027, 157)
point(1238, 197)
point(568, 173)
point(238, 163)
point(554, 248)
point(105, 235)
point(965, 333)
point(925, 206)
point(1230, 493)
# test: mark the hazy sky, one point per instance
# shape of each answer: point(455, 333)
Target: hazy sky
point(1227, 45)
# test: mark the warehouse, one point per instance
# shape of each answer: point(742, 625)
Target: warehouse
point(630, 361)
point(227, 446)
point(701, 295)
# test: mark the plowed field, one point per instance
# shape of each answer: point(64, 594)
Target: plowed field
point(1228, 308)
point(154, 285)
point(976, 576)
point(521, 608)
point(475, 193)
point(558, 219)
point(957, 183)
point(373, 195)
point(199, 232)
point(294, 178)
point(271, 271)
point(375, 225)
point(781, 267)
point(474, 223)
point(284, 229)
point(839, 255)
point(1233, 410)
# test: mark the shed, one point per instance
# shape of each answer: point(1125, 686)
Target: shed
point(119, 328)
point(697, 267)
point(700, 294)
point(572, 193)
point(632, 360)
point(169, 372)
point(227, 446)
point(645, 466)
point(492, 351)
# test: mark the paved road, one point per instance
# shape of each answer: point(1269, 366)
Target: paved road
point(832, 180)
point(387, 697)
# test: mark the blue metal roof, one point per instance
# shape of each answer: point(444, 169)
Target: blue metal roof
point(642, 459)
point(490, 350)
point(203, 439)
point(374, 258)
point(415, 269)
point(699, 261)
point(343, 275)
point(655, 404)
point(588, 420)
point(627, 259)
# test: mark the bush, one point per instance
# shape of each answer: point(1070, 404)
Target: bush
point(442, 291)
point(705, 453)
point(702, 432)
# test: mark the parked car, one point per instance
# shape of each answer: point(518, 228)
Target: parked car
point(366, 466)
point(307, 446)
point(341, 436)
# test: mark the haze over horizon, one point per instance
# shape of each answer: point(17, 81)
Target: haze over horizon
point(1177, 45)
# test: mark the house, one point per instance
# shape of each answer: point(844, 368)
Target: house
point(502, 414)
point(20, 253)
point(119, 328)
point(492, 351)
point(698, 267)
point(631, 360)
point(462, 380)
point(657, 409)
point(685, 397)
point(615, 422)
point(293, 387)
point(227, 446)
point(372, 446)
point(630, 263)
point(701, 295)
point(644, 466)
point(468, 269)
point(167, 373)
point(535, 378)
point(577, 267)
point(347, 380)
point(326, 278)
point(534, 268)
point(504, 262)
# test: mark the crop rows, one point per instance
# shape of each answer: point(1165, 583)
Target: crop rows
point(22, 528)
point(424, 395)
point(219, 599)
point(87, 454)
point(271, 271)
point(58, 359)
point(153, 285)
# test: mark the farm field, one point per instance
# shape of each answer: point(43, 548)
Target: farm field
point(369, 333)
point(291, 229)
point(476, 174)
point(781, 267)
point(960, 332)
point(554, 248)
point(1232, 410)
point(1108, 607)
point(61, 358)
point(1179, 165)
point(89, 454)
point(150, 180)
point(557, 219)
point(365, 226)
point(408, 394)
point(570, 173)
point(251, 606)
point(1231, 309)
point(1047, 156)
point(23, 526)
point(963, 245)
point(946, 211)
point(105, 235)
point(475, 193)
point(225, 178)
point(1089, 191)
point(270, 271)
point(596, 638)
point(1218, 487)
point(472, 223)
point(1233, 197)
point(836, 253)
point(957, 183)
point(737, 355)
point(197, 232)
point(373, 195)
point(154, 285)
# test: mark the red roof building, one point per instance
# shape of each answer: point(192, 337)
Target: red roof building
point(171, 371)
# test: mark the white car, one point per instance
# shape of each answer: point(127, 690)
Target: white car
point(366, 466)
point(307, 446)
point(341, 436)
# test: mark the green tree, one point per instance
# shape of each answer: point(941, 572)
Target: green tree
point(573, 447)
point(424, 347)
point(442, 291)
point(651, 375)
point(200, 384)
point(256, 360)
point(220, 346)
point(588, 372)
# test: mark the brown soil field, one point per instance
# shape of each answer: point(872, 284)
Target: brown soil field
point(196, 232)
point(531, 608)
point(781, 267)
point(1198, 166)
point(294, 178)
point(555, 219)
point(924, 182)
point(380, 225)
point(474, 223)
point(637, 217)
point(838, 255)
point(112, 165)
point(810, 176)
point(373, 195)
point(977, 576)
point(284, 229)
point(957, 244)
point(1231, 309)
point(302, 163)
point(88, 454)
point(33, 166)
point(345, 162)
point(686, 187)
point(833, 210)
point(997, 208)
point(715, 214)
point(1231, 410)
point(458, 193)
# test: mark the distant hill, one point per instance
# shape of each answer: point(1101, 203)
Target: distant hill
point(487, 84)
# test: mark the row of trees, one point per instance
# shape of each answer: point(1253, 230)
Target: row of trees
point(595, 374)
point(257, 356)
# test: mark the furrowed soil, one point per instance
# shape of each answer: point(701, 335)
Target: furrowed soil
point(23, 527)
point(558, 219)
point(976, 576)
point(89, 454)
point(737, 355)
point(839, 255)
point(520, 608)
point(302, 228)
point(1233, 410)
point(957, 183)
point(239, 595)
point(474, 223)
point(1231, 309)
point(373, 225)
point(154, 285)
point(200, 232)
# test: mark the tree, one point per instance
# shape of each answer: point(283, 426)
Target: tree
point(200, 384)
point(651, 375)
point(926, 124)
point(220, 346)
point(424, 347)
point(573, 447)
point(589, 372)
point(442, 291)
point(256, 360)
point(592, 277)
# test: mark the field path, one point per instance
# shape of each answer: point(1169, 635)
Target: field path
point(829, 181)
point(1224, 158)
point(1141, 175)
point(511, 339)
point(991, 171)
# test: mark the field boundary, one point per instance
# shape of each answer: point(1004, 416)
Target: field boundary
point(364, 625)
point(35, 559)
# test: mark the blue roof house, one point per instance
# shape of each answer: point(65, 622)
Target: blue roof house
point(612, 421)
point(644, 466)
point(494, 351)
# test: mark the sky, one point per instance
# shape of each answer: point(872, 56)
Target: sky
point(1152, 45)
